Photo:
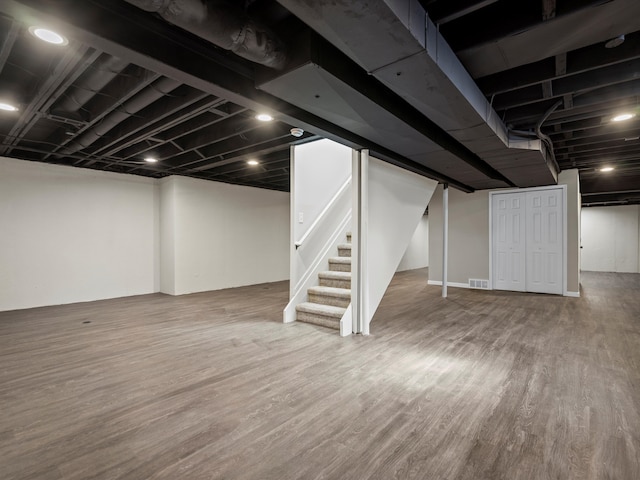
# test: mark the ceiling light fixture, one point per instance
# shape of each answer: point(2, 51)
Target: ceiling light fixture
point(150, 160)
point(264, 117)
point(48, 36)
point(607, 169)
point(7, 107)
point(252, 162)
point(623, 116)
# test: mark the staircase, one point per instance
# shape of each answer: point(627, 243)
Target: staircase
point(329, 301)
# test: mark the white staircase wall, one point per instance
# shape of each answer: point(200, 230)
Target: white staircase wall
point(319, 170)
point(396, 202)
point(321, 197)
point(417, 253)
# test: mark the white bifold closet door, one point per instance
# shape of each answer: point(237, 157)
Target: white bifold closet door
point(527, 233)
point(509, 241)
point(544, 241)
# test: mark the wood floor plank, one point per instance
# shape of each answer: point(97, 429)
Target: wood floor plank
point(481, 385)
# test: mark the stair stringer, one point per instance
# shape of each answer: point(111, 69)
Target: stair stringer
point(319, 264)
point(346, 322)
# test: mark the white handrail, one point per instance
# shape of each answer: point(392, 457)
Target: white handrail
point(300, 288)
point(323, 213)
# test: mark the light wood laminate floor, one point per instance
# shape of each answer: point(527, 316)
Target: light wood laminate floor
point(482, 385)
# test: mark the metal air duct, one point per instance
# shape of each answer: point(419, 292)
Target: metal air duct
point(223, 25)
point(102, 72)
point(127, 109)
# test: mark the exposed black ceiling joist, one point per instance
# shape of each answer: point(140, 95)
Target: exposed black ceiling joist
point(575, 84)
point(577, 61)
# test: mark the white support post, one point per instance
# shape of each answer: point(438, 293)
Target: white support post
point(292, 213)
point(356, 314)
point(359, 259)
point(363, 246)
point(445, 238)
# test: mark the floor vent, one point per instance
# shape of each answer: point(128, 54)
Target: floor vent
point(479, 283)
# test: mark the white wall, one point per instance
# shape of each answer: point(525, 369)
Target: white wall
point(226, 235)
point(610, 238)
point(321, 168)
point(71, 235)
point(417, 254)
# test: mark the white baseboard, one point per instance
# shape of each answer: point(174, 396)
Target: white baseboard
point(449, 284)
point(466, 285)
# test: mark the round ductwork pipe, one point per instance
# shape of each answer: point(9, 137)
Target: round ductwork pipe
point(223, 25)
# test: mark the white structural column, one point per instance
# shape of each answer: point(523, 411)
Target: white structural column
point(445, 238)
point(357, 239)
point(293, 272)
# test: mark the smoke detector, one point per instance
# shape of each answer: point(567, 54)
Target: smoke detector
point(297, 132)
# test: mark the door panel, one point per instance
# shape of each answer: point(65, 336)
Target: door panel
point(508, 232)
point(544, 241)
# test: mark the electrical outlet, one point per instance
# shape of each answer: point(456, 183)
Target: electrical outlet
point(301, 217)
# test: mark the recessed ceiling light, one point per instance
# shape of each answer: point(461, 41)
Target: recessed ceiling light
point(264, 117)
point(607, 169)
point(623, 116)
point(252, 162)
point(48, 36)
point(150, 160)
point(8, 107)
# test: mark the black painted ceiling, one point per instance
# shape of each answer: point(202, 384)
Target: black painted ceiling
point(129, 85)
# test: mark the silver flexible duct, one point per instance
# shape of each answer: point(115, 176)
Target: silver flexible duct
point(143, 99)
point(222, 25)
point(102, 73)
